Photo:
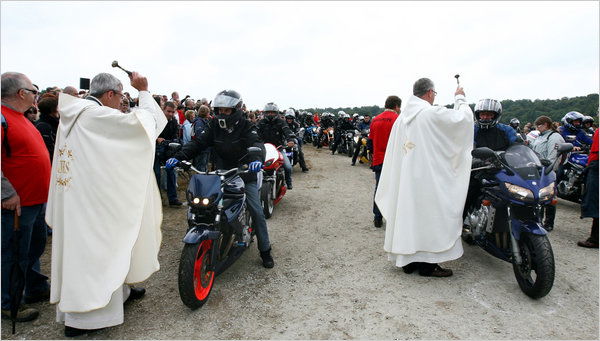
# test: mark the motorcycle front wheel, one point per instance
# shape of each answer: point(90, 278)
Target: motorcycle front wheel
point(195, 281)
point(535, 274)
point(350, 149)
point(267, 199)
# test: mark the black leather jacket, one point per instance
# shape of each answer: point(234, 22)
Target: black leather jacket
point(229, 148)
point(275, 131)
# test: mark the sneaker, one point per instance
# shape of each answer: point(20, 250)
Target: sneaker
point(305, 170)
point(175, 203)
point(354, 163)
point(24, 314)
point(289, 186)
point(378, 222)
point(41, 296)
point(267, 260)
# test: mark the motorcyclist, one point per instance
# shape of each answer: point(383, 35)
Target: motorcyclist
point(488, 133)
point(344, 123)
point(290, 119)
point(515, 124)
point(326, 122)
point(572, 127)
point(588, 125)
point(230, 135)
point(365, 125)
point(274, 130)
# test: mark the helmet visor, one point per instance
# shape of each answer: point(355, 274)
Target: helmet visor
point(224, 101)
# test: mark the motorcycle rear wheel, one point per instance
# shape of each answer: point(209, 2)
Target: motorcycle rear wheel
point(195, 281)
point(535, 274)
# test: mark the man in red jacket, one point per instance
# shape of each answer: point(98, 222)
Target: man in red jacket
point(379, 135)
point(25, 183)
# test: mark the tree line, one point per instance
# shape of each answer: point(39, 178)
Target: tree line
point(525, 110)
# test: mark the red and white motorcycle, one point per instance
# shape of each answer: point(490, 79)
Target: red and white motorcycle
point(273, 183)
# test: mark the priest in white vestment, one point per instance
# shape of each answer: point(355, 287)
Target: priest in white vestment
point(424, 182)
point(104, 205)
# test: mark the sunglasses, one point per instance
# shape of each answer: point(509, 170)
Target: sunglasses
point(35, 92)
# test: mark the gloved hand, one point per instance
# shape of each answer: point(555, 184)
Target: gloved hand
point(255, 166)
point(172, 162)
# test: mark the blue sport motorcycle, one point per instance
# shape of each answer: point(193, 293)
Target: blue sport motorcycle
point(506, 220)
point(219, 230)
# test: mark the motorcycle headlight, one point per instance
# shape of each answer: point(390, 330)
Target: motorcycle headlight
point(547, 193)
point(201, 201)
point(519, 192)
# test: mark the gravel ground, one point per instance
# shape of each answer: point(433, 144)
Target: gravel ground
point(332, 280)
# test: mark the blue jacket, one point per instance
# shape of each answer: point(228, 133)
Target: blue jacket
point(581, 137)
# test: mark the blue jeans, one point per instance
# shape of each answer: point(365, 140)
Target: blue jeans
point(376, 212)
point(201, 160)
point(287, 167)
point(32, 244)
point(258, 216)
point(171, 180)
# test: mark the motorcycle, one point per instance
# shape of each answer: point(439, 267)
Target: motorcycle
point(346, 143)
point(312, 135)
point(219, 230)
point(507, 219)
point(570, 184)
point(360, 141)
point(273, 185)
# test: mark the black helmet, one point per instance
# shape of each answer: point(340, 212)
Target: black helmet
point(228, 99)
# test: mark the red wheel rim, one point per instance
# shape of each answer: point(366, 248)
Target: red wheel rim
point(203, 279)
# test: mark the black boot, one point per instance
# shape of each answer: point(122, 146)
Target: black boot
point(549, 220)
point(267, 259)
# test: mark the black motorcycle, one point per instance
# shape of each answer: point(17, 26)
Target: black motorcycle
point(219, 230)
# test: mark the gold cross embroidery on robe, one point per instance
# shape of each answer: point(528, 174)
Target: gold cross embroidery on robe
point(65, 157)
point(408, 146)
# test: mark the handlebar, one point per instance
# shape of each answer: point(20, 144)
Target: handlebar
point(186, 165)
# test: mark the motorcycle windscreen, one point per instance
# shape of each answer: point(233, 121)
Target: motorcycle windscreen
point(523, 161)
point(205, 186)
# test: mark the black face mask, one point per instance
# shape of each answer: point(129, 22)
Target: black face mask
point(229, 121)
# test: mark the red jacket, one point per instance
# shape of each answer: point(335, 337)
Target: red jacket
point(594, 149)
point(28, 167)
point(381, 126)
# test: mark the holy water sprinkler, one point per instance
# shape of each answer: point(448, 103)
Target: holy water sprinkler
point(455, 76)
point(116, 64)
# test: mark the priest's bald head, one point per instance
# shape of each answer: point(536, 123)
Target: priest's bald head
point(107, 89)
point(425, 90)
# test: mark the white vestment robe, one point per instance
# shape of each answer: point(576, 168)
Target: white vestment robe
point(424, 182)
point(104, 205)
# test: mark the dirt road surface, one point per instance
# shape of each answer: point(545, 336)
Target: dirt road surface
point(332, 280)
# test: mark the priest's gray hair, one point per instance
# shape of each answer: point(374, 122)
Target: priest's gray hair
point(421, 86)
point(12, 82)
point(104, 82)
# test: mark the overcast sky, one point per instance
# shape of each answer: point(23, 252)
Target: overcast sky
point(311, 54)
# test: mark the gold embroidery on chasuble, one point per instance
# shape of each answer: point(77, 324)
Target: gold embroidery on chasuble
point(65, 159)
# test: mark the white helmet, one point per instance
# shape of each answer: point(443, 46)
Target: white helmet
point(354, 115)
point(290, 112)
point(341, 113)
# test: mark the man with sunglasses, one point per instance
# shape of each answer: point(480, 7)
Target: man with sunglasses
point(25, 181)
point(104, 205)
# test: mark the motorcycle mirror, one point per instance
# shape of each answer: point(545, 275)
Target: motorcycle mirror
point(483, 153)
point(545, 162)
point(254, 151)
point(174, 145)
point(564, 147)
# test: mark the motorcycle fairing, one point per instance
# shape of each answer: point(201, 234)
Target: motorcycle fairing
point(532, 227)
point(199, 233)
point(205, 186)
point(233, 208)
point(579, 159)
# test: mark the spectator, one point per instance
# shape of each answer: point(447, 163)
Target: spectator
point(190, 116)
point(124, 106)
point(31, 114)
point(424, 218)
point(25, 182)
point(169, 134)
point(545, 146)
point(71, 91)
point(48, 122)
point(201, 122)
point(589, 202)
point(379, 136)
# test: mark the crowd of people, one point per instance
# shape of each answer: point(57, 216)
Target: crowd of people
point(95, 159)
